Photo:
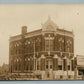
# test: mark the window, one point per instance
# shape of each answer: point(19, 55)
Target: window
point(64, 64)
point(27, 67)
point(80, 72)
point(59, 61)
point(50, 66)
point(61, 77)
point(69, 76)
point(19, 67)
point(38, 65)
point(72, 64)
point(37, 48)
point(16, 68)
point(68, 49)
point(38, 76)
point(11, 69)
point(46, 66)
point(49, 45)
point(37, 44)
point(48, 75)
point(19, 51)
point(60, 67)
point(16, 51)
point(69, 44)
point(68, 67)
point(31, 67)
point(61, 43)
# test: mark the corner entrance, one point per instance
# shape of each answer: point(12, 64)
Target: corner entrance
point(49, 69)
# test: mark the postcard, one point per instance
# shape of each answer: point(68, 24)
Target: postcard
point(41, 42)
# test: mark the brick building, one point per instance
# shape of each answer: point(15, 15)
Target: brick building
point(47, 53)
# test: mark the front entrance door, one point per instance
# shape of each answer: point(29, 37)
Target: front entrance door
point(49, 69)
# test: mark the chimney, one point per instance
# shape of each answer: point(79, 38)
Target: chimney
point(24, 30)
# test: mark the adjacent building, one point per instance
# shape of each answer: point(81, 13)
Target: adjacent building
point(79, 67)
point(46, 53)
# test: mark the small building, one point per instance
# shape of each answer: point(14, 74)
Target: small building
point(46, 53)
point(80, 66)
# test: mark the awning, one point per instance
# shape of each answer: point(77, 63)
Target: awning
point(80, 67)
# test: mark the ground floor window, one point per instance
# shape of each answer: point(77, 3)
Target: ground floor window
point(46, 66)
point(61, 77)
point(69, 76)
point(80, 72)
point(68, 67)
point(11, 69)
point(48, 75)
point(37, 67)
point(60, 67)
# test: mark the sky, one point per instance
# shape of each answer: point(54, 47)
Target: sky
point(13, 17)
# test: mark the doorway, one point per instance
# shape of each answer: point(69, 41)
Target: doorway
point(49, 68)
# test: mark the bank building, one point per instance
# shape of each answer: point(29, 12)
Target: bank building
point(45, 54)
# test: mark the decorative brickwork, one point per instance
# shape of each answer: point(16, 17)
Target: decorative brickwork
point(42, 52)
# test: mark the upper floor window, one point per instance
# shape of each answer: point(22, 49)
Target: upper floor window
point(69, 44)
point(49, 44)
point(61, 44)
point(37, 44)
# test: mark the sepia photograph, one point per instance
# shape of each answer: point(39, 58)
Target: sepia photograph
point(41, 42)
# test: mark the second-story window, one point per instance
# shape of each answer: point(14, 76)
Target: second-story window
point(37, 44)
point(49, 44)
point(69, 44)
point(46, 45)
point(61, 44)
